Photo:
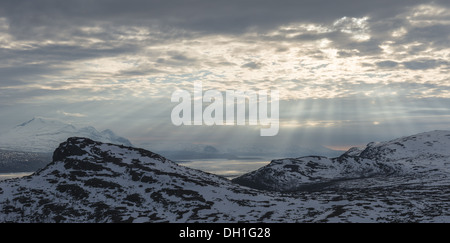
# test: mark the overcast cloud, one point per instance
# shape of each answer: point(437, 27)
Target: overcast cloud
point(72, 59)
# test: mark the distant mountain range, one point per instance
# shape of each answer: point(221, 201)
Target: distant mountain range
point(43, 135)
point(403, 180)
point(190, 151)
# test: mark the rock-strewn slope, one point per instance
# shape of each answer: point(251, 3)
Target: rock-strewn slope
point(421, 155)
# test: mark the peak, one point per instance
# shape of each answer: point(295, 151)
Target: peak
point(437, 131)
point(26, 123)
point(72, 147)
point(90, 129)
point(80, 146)
point(434, 133)
point(79, 140)
point(354, 151)
point(108, 132)
point(41, 120)
point(427, 134)
point(426, 145)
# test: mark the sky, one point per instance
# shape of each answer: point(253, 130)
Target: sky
point(348, 72)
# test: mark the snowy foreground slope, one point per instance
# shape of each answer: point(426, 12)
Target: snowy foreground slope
point(90, 181)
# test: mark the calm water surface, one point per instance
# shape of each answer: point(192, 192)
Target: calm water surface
point(13, 175)
point(223, 167)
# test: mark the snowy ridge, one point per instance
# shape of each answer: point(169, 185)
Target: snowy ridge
point(95, 182)
point(91, 181)
point(427, 145)
point(425, 153)
point(44, 135)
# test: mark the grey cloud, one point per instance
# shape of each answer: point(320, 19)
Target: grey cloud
point(68, 52)
point(342, 41)
point(20, 67)
point(437, 34)
point(370, 47)
point(282, 49)
point(347, 53)
point(10, 82)
point(365, 64)
point(177, 56)
point(434, 35)
point(180, 57)
point(170, 58)
point(424, 64)
point(170, 20)
point(56, 54)
point(310, 36)
point(387, 64)
point(19, 95)
point(226, 64)
point(252, 65)
point(111, 28)
point(344, 54)
point(205, 16)
point(21, 74)
point(142, 71)
point(438, 111)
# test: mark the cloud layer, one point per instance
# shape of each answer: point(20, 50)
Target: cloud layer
point(61, 54)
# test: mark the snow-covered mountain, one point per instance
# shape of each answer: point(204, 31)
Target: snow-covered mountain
point(95, 182)
point(44, 135)
point(90, 181)
point(422, 154)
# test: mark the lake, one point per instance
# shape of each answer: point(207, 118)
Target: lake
point(224, 167)
point(13, 175)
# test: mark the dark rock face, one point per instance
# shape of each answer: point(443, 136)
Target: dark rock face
point(71, 148)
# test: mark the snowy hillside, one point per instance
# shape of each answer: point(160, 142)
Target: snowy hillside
point(425, 153)
point(44, 135)
point(90, 181)
point(95, 182)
